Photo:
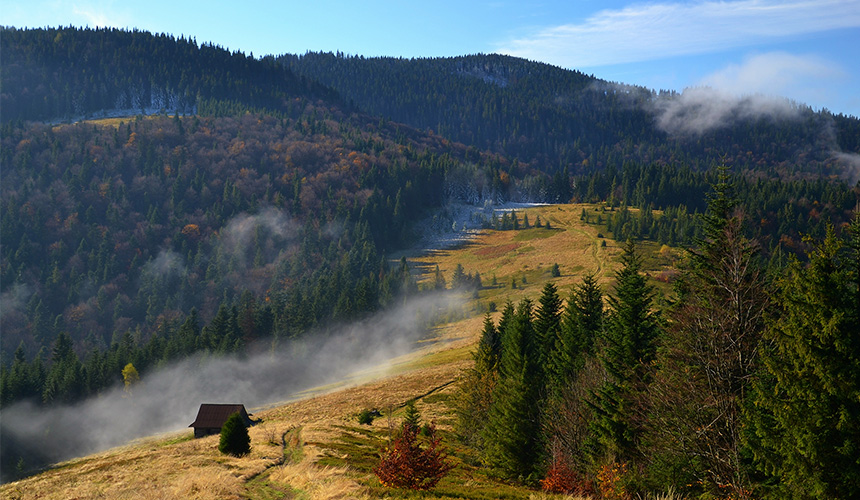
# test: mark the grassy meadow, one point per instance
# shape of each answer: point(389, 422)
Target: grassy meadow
point(314, 447)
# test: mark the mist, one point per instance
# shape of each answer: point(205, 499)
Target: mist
point(701, 109)
point(15, 299)
point(167, 399)
point(850, 163)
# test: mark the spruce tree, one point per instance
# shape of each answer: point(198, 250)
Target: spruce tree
point(513, 433)
point(411, 416)
point(547, 327)
point(581, 324)
point(489, 348)
point(807, 427)
point(478, 386)
point(628, 347)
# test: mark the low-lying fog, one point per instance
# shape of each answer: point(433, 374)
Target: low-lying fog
point(167, 399)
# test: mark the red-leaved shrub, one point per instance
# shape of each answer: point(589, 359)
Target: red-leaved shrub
point(406, 465)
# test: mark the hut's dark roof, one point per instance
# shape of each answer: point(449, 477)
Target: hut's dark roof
point(214, 415)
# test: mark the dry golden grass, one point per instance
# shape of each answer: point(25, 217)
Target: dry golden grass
point(166, 467)
point(508, 255)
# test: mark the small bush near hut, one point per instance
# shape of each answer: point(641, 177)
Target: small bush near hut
point(234, 437)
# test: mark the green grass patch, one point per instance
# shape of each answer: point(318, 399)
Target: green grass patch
point(260, 488)
point(181, 439)
point(293, 448)
point(356, 448)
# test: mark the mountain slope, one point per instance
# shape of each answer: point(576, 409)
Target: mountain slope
point(554, 118)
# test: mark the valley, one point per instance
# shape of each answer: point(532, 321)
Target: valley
point(174, 465)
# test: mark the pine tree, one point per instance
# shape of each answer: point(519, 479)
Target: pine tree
point(808, 430)
point(628, 347)
point(235, 439)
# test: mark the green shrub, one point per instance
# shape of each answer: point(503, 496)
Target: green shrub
point(234, 437)
point(366, 417)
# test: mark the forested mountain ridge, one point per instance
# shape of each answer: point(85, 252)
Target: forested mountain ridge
point(71, 73)
point(554, 118)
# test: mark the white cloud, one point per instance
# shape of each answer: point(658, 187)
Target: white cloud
point(758, 87)
point(700, 109)
point(656, 30)
point(777, 73)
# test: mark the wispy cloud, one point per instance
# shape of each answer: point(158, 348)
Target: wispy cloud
point(656, 30)
point(701, 109)
point(777, 73)
point(99, 14)
point(748, 90)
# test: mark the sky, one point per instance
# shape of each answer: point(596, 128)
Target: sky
point(806, 50)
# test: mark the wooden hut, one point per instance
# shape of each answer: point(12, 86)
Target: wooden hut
point(211, 417)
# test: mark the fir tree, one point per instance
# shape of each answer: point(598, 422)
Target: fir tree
point(628, 347)
point(581, 324)
point(513, 433)
point(808, 432)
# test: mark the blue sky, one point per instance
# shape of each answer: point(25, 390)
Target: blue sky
point(807, 50)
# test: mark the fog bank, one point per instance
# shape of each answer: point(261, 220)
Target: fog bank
point(167, 399)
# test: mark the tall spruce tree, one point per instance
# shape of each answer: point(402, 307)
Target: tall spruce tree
point(806, 420)
point(478, 385)
point(574, 374)
point(581, 325)
point(547, 327)
point(513, 432)
point(628, 347)
point(489, 348)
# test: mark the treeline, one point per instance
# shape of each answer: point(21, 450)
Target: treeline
point(72, 73)
point(781, 212)
point(745, 387)
point(550, 118)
